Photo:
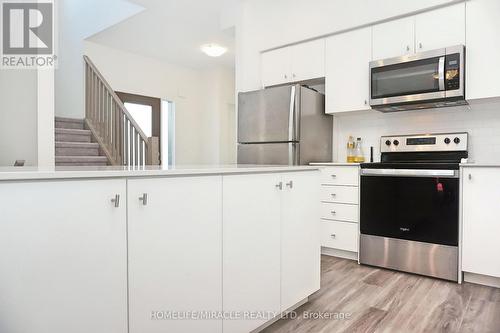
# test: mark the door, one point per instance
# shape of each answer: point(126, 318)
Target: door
point(146, 111)
point(269, 154)
point(300, 240)
point(440, 28)
point(348, 58)
point(252, 215)
point(481, 227)
point(64, 257)
point(412, 208)
point(267, 115)
point(308, 60)
point(276, 67)
point(175, 253)
point(394, 38)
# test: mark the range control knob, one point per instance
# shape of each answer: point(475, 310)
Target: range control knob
point(447, 141)
point(396, 142)
point(388, 142)
point(457, 140)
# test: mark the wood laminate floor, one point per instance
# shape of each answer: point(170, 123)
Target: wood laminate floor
point(381, 300)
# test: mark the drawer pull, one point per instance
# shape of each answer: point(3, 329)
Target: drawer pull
point(334, 195)
point(334, 176)
point(116, 201)
point(334, 236)
point(144, 199)
point(334, 212)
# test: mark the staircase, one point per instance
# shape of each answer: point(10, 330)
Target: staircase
point(75, 145)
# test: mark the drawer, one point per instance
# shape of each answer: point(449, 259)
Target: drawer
point(340, 235)
point(340, 194)
point(340, 212)
point(342, 175)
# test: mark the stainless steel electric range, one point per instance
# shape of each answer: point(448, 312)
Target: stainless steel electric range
point(410, 205)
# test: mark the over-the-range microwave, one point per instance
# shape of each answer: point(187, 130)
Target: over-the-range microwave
point(425, 80)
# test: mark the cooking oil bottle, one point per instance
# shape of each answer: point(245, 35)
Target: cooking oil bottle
point(350, 150)
point(359, 156)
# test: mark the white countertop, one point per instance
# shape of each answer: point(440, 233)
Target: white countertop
point(480, 165)
point(335, 164)
point(35, 173)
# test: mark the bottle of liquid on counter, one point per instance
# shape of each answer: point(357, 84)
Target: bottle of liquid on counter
point(350, 150)
point(359, 155)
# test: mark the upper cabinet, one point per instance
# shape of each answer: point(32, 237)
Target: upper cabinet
point(394, 38)
point(440, 28)
point(347, 67)
point(483, 27)
point(424, 32)
point(295, 63)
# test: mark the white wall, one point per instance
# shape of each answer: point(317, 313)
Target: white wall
point(18, 117)
point(199, 97)
point(264, 24)
point(481, 121)
point(78, 20)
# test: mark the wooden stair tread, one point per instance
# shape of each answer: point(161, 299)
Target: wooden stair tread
point(76, 159)
point(70, 144)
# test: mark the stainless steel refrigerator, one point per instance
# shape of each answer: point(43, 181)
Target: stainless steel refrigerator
point(284, 126)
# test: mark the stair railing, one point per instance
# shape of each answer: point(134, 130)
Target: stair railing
point(118, 134)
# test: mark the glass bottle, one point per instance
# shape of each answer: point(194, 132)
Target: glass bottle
point(359, 156)
point(350, 150)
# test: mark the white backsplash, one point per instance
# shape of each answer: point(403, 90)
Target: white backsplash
point(480, 120)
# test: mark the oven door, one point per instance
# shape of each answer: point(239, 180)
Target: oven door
point(418, 205)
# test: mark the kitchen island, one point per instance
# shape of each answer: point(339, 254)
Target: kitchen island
point(184, 249)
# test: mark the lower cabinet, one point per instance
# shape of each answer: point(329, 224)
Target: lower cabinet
point(271, 245)
point(481, 226)
point(175, 253)
point(63, 256)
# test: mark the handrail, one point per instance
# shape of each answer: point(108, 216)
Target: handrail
point(120, 137)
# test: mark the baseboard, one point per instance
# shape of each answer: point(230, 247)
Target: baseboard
point(274, 320)
point(339, 253)
point(484, 280)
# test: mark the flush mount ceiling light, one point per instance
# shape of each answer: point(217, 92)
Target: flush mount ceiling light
point(213, 50)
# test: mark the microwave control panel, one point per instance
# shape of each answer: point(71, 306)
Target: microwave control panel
point(452, 70)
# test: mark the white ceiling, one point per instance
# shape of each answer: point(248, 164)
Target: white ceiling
point(174, 30)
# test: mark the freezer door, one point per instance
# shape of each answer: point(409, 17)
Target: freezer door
point(268, 115)
point(269, 154)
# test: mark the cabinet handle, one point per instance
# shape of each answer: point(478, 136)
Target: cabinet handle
point(144, 199)
point(333, 236)
point(420, 46)
point(116, 200)
point(294, 76)
point(470, 176)
point(279, 186)
point(334, 195)
point(286, 76)
point(366, 102)
point(334, 176)
point(290, 184)
point(408, 48)
point(334, 212)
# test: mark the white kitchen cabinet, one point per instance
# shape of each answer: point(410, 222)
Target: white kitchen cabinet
point(483, 27)
point(300, 244)
point(394, 39)
point(348, 56)
point(175, 252)
point(295, 63)
point(252, 238)
point(277, 67)
point(63, 257)
point(271, 244)
point(440, 28)
point(340, 235)
point(481, 225)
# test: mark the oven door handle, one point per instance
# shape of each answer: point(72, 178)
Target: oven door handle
point(410, 173)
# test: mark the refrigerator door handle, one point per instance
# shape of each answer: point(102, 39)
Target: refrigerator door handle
point(291, 119)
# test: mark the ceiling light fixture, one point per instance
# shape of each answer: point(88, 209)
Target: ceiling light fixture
point(213, 50)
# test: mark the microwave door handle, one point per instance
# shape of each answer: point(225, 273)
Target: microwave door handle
point(441, 73)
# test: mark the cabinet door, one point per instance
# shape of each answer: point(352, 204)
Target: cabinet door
point(483, 47)
point(348, 58)
point(175, 253)
point(308, 60)
point(394, 38)
point(300, 240)
point(481, 225)
point(252, 212)
point(63, 255)
point(276, 67)
point(440, 28)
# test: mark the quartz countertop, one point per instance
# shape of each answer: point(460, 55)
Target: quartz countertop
point(480, 165)
point(334, 164)
point(39, 173)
